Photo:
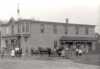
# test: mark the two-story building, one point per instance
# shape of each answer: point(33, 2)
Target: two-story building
point(28, 33)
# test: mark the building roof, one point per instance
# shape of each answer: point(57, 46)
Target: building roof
point(50, 22)
point(44, 22)
point(11, 21)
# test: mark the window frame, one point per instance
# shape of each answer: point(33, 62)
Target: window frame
point(86, 30)
point(42, 28)
point(77, 30)
point(27, 27)
point(66, 29)
point(55, 30)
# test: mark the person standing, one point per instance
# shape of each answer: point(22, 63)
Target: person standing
point(49, 51)
point(80, 52)
point(2, 53)
point(63, 53)
point(16, 51)
point(77, 52)
point(12, 53)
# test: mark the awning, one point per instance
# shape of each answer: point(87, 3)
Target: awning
point(9, 37)
point(77, 38)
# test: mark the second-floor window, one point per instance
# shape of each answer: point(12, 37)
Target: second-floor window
point(86, 31)
point(19, 30)
point(55, 29)
point(7, 30)
point(27, 27)
point(12, 27)
point(42, 28)
point(77, 29)
point(23, 27)
point(66, 29)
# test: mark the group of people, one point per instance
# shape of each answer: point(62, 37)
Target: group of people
point(68, 51)
point(58, 51)
point(17, 52)
point(79, 52)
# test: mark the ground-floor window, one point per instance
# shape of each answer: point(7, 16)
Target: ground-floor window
point(77, 44)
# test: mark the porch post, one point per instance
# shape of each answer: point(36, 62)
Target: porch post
point(93, 46)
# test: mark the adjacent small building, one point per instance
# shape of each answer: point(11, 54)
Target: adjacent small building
point(28, 33)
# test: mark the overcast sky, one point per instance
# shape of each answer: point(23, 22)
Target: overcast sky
point(78, 11)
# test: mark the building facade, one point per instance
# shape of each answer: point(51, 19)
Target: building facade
point(28, 33)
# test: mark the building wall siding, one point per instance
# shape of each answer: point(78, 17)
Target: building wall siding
point(47, 38)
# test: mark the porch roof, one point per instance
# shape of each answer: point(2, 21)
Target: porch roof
point(77, 38)
point(15, 36)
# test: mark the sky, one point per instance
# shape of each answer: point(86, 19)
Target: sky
point(78, 11)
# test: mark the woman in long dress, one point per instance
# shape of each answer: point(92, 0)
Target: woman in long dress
point(63, 53)
point(12, 53)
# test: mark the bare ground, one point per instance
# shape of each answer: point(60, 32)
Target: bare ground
point(44, 62)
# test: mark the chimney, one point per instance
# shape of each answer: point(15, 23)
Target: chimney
point(67, 20)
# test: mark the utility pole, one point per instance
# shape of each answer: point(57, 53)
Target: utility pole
point(0, 40)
